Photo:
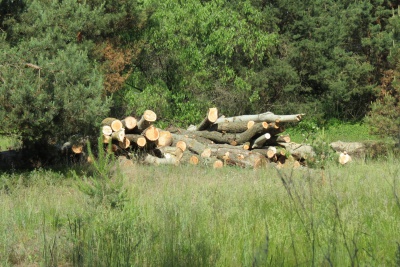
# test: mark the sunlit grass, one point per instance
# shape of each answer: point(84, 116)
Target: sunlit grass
point(196, 216)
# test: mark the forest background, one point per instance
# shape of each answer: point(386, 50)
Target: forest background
point(65, 65)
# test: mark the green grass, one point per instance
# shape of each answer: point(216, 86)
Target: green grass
point(333, 131)
point(196, 216)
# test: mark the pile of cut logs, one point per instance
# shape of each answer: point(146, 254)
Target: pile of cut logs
point(245, 141)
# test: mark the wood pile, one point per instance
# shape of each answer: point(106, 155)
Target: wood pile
point(246, 141)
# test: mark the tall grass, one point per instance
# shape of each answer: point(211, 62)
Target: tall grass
point(194, 216)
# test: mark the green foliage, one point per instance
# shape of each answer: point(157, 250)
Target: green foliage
point(103, 181)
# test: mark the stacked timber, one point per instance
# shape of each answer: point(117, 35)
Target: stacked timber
point(246, 141)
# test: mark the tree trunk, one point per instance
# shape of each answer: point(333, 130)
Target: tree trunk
point(106, 130)
point(137, 139)
point(129, 123)
point(146, 120)
point(211, 117)
point(158, 161)
point(260, 141)
point(152, 133)
point(267, 116)
point(232, 127)
point(165, 138)
point(115, 124)
point(240, 157)
point(299, 151)
point(191, 144)
point(118, 135)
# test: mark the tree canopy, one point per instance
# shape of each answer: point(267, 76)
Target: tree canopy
point(65, 64)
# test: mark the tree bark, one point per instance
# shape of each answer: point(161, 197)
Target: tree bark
point(118, 135)
point(146, 120)
point(191, 143)
point(267, 116)
point(152, 133)
point(165, 138)
point(240, 157)
point(115, 124)
point(260, 141)
point(212, 116)
point(158, 161)
point(232, 127)
point(106, 130)
point(129, 123)
point(299, 151)
point(137, 139)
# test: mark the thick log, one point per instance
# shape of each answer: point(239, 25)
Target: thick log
point(152, 133)
point(106, 130)
point(275, 140)
point(191, 143)
point(232, 127)
point(344, 158)
point(106, 139)
point(171, 160)
point(137, 139)
point(212, 116)
point(240, 157)
point(218, 164)
point(118, 135)
point(125, 143)
point(181, 144)
point(355, 149)
point(146, 120)
point(190, 157)
point(165, 138)
point(169, 150)
point(299, 151)
point(115, 124)
point(261, 140)
point(267, 116)
point(129, 123)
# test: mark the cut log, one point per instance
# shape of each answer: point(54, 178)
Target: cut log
point(210, 119)
point(246, 146)
point(271, 152)
point(152, 133)
point(267, 116)
point(232, 127)
point(106, 139)
point(181, 144)
point(191, 143)
point(169, 150)
point(256, 129)
point(115, 124)
point(106, 130)
point(240, 157)
point(125, 143)
point(355, 149)
point(206, 153)
point(146, 120)
point(165, 138)
point(118, 135)
point(190, 158)
point(137, 139)
point(230, 138)
point(218, 164)
point(299, 151)
point(260, 141)
point(158, 161)
point(129, 123)
point(275, 140)
point(344, 158)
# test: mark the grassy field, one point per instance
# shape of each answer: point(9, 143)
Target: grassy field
point(196, 216)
